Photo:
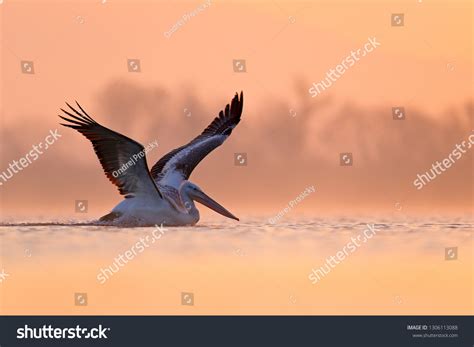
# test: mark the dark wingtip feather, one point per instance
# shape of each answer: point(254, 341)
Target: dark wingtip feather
point(71, 120)
point(70, 126)
point(85, 113)
point(73, 109)
point(83, 116)
point(237, 105)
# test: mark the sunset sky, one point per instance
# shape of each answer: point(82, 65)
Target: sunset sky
point(79, 51)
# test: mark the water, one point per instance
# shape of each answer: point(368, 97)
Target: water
point(251, 267)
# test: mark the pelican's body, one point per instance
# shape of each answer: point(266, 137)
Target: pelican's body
point(149, 211)
point(162, 195)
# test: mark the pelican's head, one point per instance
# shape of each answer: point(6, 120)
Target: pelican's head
point(195, 193)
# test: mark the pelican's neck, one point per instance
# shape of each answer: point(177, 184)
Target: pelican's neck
point(188, 203)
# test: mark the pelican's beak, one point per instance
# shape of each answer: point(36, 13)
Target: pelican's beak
point(204, 199)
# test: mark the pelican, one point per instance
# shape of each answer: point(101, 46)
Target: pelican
point(162, 195)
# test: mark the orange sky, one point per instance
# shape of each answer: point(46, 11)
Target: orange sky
point(80, 52)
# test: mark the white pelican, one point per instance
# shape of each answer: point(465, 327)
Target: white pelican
point(163, 195)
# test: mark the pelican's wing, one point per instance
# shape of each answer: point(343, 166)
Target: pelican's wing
point(178, 164)
point(122, 159)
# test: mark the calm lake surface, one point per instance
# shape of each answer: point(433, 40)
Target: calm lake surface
point(418, 266)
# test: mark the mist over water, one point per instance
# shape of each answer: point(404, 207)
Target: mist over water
point(289, 146)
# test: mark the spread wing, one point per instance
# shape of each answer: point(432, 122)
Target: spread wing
point(178, 164)
point(122, 158)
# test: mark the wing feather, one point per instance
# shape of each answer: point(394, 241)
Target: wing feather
point(123, 159)
point(178, 164)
